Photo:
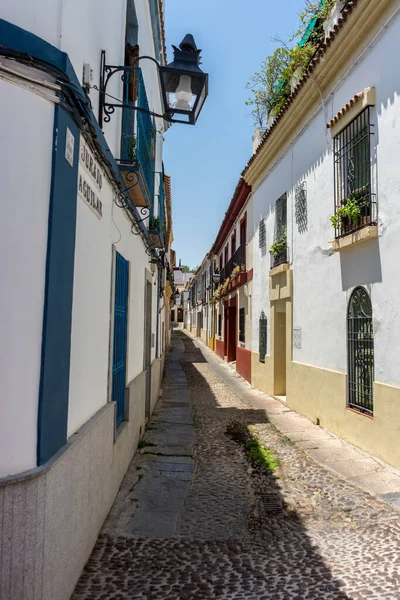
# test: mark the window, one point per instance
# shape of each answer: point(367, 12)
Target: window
point(220, 325)
point(360, 351)
point(243, 228)
point(278, 250)
point(262, 344)
point(242, 325)
point(355, 205)
point(233, 244)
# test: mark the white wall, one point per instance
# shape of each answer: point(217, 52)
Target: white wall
point(41, 17)
point(25, 172)
point(91, 308)
point(323, 280)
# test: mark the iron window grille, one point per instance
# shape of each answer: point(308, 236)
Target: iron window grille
point(262, 237)
point(352, 171)
point(279, 251)
point(242, 325)
point(262, 345)
point(360, 340)
point(219, 325)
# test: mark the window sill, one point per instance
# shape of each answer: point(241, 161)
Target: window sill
point(360, 412)
point(279, 269)
point(356, 237)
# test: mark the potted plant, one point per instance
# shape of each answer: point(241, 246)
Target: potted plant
point(280, 245)
point(235, 273)
point(349, 215)
point(154, 224)
point(225, 286)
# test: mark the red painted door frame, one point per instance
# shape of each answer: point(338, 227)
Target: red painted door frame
point(232, 329)
point(225, 329)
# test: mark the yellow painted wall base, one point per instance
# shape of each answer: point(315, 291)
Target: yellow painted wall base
point(262, 374)
point(321, 393)
point(211, 343)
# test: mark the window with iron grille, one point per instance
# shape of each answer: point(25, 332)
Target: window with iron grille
point(242, 324)
point(355, 204)
point(262, 347)
point(360, 351)
point(220, 325)
point(278, 250)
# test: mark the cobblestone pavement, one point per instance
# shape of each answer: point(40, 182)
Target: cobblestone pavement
point(302, 533)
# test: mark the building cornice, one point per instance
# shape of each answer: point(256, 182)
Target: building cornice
point(239, 199)
point(357, 28)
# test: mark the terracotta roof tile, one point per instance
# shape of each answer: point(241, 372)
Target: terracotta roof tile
point(321, 51)
point(164, 47)
point(344, 110)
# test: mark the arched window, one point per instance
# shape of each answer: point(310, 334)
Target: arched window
point(360, 351)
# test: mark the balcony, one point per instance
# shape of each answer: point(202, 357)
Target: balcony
point(138, 147)
point(157, 224)
point(358, 211)
point(279, 257)
point(237, 260)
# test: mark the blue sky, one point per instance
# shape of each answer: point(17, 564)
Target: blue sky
point(205, 161)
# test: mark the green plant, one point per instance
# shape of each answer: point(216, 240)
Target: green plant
point(217, 293)
point(270, 86)
point(350, 209)
point(235, 272)
point(154, 223)
point(225, 285)
point(131, 144)
point(261, 455)
point(279, 246)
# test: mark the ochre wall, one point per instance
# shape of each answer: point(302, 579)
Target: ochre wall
point(262, 374)
point(321, 394)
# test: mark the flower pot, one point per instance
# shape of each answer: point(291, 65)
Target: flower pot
point(242, 278)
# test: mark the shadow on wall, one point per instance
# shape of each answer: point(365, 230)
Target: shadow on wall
point(244, 504)
point(361, 265)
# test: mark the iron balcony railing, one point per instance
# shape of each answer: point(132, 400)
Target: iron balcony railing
point(138, 136)
point(279, 258)
point(237, 260)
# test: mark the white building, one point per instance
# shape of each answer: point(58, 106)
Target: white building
point(325, 311)
point(83, 309)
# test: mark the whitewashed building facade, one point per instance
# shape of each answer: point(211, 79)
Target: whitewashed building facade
point(328, 300)
point(83, 310)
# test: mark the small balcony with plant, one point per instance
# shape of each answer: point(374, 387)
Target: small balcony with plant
point(279, 250)
point(137, 162)
point(233, 274)
point(157, 224)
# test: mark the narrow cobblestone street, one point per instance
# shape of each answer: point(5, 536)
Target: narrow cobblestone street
point(194, 519)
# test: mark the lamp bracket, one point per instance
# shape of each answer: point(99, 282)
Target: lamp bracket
point(106, 108)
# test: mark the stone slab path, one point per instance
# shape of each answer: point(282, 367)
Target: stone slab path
point(194, 519)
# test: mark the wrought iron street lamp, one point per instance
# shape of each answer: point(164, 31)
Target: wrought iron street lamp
point(216, 278)
point(184, 85)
